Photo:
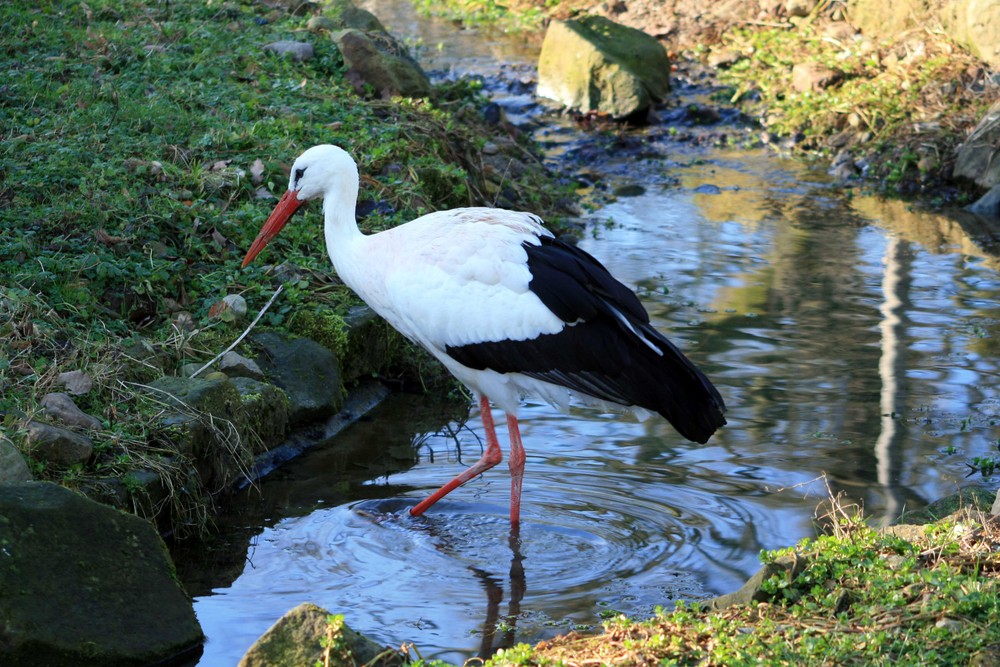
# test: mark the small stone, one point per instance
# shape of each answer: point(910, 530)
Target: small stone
point(723, 59)
point(297, 51)
point(60, 406)
point(58, 445)
point(630, 190)
point(237, 304)
point(799, 8)
point(189, 369)
point(183, 321)
point(808, 77)
point(236, 365)
point(77, 383)
point(490, 148)
point(216, 375)
point(950, 624)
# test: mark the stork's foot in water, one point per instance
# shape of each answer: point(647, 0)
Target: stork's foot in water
point(490, 458)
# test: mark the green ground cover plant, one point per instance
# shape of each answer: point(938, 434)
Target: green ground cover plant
point(143, 144)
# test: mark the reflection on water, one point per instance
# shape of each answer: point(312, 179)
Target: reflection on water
point(851, 338)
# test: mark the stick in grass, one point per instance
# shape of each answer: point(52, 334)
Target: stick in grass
point(244, 334)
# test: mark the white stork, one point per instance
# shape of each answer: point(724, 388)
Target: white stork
point(509, 309)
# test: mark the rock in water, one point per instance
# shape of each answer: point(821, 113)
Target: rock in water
point(83, 584)
point(296, 639)
point(977, 158)
point(593, 64)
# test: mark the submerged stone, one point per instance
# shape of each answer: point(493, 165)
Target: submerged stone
point(82, 584)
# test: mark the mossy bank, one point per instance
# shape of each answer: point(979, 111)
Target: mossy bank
point(143, 145)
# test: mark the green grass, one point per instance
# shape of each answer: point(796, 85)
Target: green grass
point(861, 597)
point(131, 133)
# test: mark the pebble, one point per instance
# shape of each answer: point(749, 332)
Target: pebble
point(60, 406)
point(297, 51)
point(77, 383)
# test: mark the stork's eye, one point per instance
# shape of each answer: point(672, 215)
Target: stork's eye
point(299, 173)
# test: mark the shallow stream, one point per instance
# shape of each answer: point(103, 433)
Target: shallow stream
point(854, 341)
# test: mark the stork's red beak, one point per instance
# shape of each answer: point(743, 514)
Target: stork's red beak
point(286, 208)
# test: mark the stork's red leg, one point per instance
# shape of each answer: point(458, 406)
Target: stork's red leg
point(490, 458)
point(516, 463)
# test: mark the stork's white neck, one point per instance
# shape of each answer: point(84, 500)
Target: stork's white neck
point(344, 241)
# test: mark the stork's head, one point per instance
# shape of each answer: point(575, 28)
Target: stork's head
point(321, 171)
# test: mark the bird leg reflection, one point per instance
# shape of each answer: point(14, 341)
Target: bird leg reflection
point(494, 595)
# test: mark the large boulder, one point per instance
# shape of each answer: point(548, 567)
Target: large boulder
point(596, 65)
point(979, 157)
point(83, 584)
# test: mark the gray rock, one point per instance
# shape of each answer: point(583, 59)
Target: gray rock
point(594, 64)
point(788, 566)
point(382, 63)
point(60, 406)
point(724, 58)
point(85, 585)
point(236, 365)
point(295, 639)
point(988, 205)
point(297, 51)
point(979, 156)
point(343, 14)
point(58, 445)
point(237, 304)
point(13, 467)
point(308, 372)
point(189, 369)
point(77, 383)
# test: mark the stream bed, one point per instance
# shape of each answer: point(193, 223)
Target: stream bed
point(853, 339)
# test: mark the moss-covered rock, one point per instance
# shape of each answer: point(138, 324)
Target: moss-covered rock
point(83, 584)
point(343, 14)
point(265, 411)
point(363, 342)
point(594, 64)
point(209, 427)
point(298, 638)
point(308, 372)
point(379, 61)
point(974, 497)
